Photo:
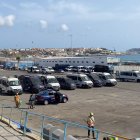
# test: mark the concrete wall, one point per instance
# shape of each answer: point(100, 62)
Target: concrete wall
point(51, 132)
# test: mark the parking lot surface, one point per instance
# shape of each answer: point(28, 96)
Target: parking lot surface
point(116, 109)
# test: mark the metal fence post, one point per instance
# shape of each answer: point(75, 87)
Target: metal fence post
point(97, 135)
point(10, 116)
point(42, 127)
point(25, 122)
point(65, 130)
point(21, 119)
point(2, 112)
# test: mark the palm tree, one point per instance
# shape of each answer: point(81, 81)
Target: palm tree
point(18, 59)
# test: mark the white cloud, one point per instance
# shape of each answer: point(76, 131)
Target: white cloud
point(7, 20)
point(2, 21)
point(44, 24)
point(64, 27)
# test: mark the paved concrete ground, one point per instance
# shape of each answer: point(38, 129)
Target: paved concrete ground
point(7, 133)
point(116, 109)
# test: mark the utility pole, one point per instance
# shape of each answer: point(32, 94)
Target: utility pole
point(71, 44)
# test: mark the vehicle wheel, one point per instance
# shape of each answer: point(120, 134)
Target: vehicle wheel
point(138, 80)
point(122, 80)
point(35, 90)
point(9, 92)
point(46, 102)
point(65, 100)
point(0, 90)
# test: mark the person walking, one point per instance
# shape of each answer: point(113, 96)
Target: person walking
point(91, 124)
point(57, 98)
point(31, 101)
point(17, 100)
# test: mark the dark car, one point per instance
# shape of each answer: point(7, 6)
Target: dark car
point(104, 68)
point(50, 96)
point(97, 82)
point(66, 83)
point(31, 83)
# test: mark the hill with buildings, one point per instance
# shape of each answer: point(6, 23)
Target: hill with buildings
point(46, 52)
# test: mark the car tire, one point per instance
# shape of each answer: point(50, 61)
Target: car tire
point(0, 90)
point(46, 102)
point(35, 90)
point(122, 79)
point(65, 100)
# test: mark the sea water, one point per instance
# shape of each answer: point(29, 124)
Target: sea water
point(133, 58)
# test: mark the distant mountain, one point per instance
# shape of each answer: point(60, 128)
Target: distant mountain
point(134, 50)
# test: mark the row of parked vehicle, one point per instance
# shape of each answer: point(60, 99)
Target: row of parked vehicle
point(63, 67)
point(39, 82)
point(12, 85)
point(43, 70)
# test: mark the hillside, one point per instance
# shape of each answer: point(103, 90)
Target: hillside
point(134, 50)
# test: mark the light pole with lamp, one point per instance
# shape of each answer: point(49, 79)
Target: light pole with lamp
point(71, 44)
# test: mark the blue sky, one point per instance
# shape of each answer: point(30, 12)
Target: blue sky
point(112, 24)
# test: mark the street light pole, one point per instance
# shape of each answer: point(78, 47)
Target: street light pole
point(71, 44)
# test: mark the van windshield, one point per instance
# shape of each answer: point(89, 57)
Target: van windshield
point(138, 74)
point(95, 77)
point(52, 80)
point(84, 78)
point(35, 68)
point(14, 83)
point(109, 77)
point(36, 81)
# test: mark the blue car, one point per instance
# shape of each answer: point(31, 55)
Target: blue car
point(50, 96)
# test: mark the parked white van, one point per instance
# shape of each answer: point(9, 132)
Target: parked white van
point(50, 81)
point(128, 76)
point(107, 79)
point(10, 85)
point(33, 69)
point(81, 80)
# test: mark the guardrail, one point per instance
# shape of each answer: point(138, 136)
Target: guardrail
point(49, 128)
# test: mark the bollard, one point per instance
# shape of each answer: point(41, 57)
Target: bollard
point(70, 137)
point(48, 130)
point(57, 134)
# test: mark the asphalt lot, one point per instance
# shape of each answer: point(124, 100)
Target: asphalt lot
point(116, 109)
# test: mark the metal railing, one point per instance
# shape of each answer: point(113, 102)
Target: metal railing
point(35, 123)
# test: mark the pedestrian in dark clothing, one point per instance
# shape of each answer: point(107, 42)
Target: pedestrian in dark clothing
point(57, 98)
point(31, 101)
